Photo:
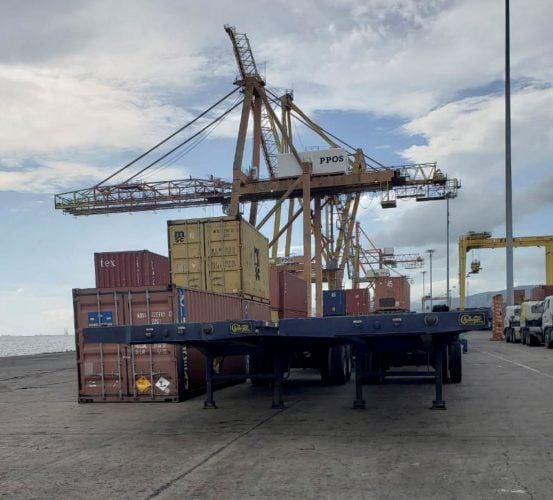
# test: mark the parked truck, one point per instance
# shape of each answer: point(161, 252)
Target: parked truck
point(547, 321)
point(511, 324)
point(531, 330)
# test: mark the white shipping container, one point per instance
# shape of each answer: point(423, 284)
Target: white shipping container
point(288, 166)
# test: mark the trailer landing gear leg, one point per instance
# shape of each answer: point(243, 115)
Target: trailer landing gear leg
point(359, 402)
point(209, 402)
point(278, 404)
point(439, 403)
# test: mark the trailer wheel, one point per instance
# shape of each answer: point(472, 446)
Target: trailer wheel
point(522, 337)
point(455, 362)
point(508, 335)
point(348, 363)
point(334, 365)
point(547, 339)
point(531, 340)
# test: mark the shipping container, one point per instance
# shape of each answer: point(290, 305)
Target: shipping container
point(334, 303)
point(256, 310)
point(130, 268)
point(156, 372)
point(497, 317)
point(274, 287)
point(293, 296)
point(392, 294)
point(221, 254)
point(323, 162)
point(357, 301)
point(540, 292)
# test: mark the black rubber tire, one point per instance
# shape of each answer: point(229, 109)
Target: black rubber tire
point(522, 337)
point(349, 364)
point(261, 363)
point(531, 340)
point(455, 362)
point(334, 365)
point(547, 339)
point(508, 335)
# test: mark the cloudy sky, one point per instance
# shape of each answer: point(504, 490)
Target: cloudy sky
point(87, 86)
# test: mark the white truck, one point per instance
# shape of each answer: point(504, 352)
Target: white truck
point(531, 330)
point(511, 324)
point(547, 321)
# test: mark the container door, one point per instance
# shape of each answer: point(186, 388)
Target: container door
point(154, 370)
point(101, 368)
point(187, 254)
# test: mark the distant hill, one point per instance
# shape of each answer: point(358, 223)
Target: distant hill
point(484, 299)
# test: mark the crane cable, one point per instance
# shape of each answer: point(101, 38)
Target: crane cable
point(184, 142)
point(167, 138)
point(276, 101)
point(192, 146)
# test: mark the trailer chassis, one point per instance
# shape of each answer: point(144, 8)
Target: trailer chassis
point(435, 334)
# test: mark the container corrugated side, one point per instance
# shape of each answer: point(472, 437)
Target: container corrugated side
point(187, 253)
point(130, 268)
point(274, 287)
point(256, 310)
point(293, 296)
point(357, 301)
point(392, 293)
point(237, 257)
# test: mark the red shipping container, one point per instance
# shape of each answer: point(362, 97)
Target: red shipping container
point(293, 296)
point(274, 287)
point(256, 310)
point(539, 292)
point(392, 293)
point(519, 297)
point(357, 301)
point(131, 268)
point(149, 372)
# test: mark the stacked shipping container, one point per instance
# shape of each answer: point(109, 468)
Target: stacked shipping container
point(392, 293)
point(223, 254)
point(130, 268)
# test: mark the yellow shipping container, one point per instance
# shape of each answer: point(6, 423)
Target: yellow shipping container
point(223, 254)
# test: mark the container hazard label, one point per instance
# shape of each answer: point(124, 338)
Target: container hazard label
point(163, 385)
point(142, 384)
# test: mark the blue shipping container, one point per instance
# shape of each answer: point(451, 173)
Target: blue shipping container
point(334, 303)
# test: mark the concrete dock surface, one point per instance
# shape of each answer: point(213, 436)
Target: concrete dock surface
point(494, 440)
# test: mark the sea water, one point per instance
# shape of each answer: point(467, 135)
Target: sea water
point(35, 344)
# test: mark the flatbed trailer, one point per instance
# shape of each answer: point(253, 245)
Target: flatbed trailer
point(377, 341)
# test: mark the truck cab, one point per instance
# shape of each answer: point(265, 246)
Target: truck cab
point(511, 324)
point(547, 321)
point(531, 322)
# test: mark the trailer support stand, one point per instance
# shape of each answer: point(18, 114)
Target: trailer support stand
point(359, 402)
point(278, 404)
point(209, 402)
point(440, 352)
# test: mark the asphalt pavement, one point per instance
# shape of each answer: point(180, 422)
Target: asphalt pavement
point(493, 441)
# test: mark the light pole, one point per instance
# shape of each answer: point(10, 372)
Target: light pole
point(423, 290)
point(430, 252)
point(448, 196)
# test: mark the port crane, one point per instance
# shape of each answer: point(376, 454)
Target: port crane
point(314, 203)
point(367, 262)
point(474, 239)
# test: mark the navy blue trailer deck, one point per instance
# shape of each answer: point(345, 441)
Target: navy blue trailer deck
point(377, 340)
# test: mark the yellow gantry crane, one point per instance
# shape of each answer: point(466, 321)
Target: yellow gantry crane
point(473, 240)
point(323, 207)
